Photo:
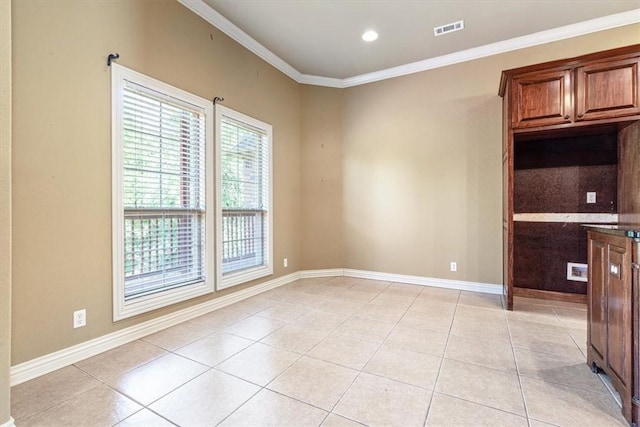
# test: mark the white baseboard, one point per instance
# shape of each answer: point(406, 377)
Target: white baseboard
point(59, 359)
point(334, 272)
point(50, 362)
point(10, 423)
point(487, 288)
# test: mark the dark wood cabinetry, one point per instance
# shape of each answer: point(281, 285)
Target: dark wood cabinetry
point(607, 89)
point(599, 87)
point(588, 101)
point(542, 99)
point(612, 315)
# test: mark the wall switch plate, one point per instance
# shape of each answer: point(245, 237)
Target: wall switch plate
point(79, 318)
point(454, 266)
point(285, 262)
point(591, 197)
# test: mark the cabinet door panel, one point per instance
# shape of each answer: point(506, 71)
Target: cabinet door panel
point(542, 99)
point(607, 90)
point(597, 333)
point(619, 314)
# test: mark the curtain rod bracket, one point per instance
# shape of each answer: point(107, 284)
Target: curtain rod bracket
point(112, 57)
point(217, 99)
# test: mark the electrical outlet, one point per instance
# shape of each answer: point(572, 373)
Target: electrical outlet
point(79, 318)
point(591, 197)
point(285, 262)
point(454, 266)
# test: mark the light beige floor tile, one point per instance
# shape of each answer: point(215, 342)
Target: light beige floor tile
point(536, 313)
point(356, 296)
point(418, 340)
point(436, 322)
point(334, 420)
point(206, 400)
point(306, 299)
point(344, 350)
point(440, 294)
point(41, 393)
point(144, 418)
point(491, 330)
point(535, 423)
point(469, 312)
point(568, 406)
point(255, 327)
point(572, 318)
point(371, 286)
point(376, 401)
point(284, 312)
point(99, 406)
point(339, 307)
point(477, 299)
point(254, 304)
point(517, 325)
point(321, 321)
point(497, 389)
point(272, 409)
point(114, 363)
point(214, 349)
point(391, 300)
point(433, 306)
point(446, 411)
point(490, 354)
point(179, 335)
point(280, 293)
point(315, 382)
point(553, 343)
point(366, 329)
point(157, 378)
point(556, 368)
point(413, 368)
point(403, 289)
point(381, 313)
point(294, 338)
point(259, 363)
point(220, 319)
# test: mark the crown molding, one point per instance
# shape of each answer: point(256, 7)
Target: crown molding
point(205, 11)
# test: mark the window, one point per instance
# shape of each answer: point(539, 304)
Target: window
point(245, 238)
point(163, 222)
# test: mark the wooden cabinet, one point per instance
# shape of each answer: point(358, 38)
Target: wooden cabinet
point(542, 99)
point(600, 87)
point(612, 305)
point(606, 89)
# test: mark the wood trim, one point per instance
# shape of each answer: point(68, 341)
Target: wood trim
point(549, 295)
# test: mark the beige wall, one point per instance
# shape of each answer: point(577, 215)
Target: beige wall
point(5, 210)
point(61, 156)
point(422, 165)
point(322, 236)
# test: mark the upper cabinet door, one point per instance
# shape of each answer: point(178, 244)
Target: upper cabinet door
point(607, 89)
point(541, 99)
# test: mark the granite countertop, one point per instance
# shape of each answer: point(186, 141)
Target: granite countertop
point(616, 230)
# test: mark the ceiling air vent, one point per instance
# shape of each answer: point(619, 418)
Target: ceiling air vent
point(449, 28)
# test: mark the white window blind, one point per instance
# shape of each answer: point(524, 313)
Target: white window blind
point(244, 146)
point(163, 191)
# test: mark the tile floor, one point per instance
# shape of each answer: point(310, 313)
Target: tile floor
point(340, 352)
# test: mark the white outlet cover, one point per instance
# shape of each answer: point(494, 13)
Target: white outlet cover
point(454, 266)
point(591, 197)
point(79, 318)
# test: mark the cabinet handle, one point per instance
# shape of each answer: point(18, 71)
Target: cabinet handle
point(580, 114)
point(566, 117)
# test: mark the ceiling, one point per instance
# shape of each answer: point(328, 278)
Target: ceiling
point(320, 40)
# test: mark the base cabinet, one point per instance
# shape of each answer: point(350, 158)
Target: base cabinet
point(612, 334)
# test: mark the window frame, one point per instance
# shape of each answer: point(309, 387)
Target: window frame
point(243, 276)
point(121, 308)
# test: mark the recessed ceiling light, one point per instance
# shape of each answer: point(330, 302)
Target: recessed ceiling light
point(369, 36)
